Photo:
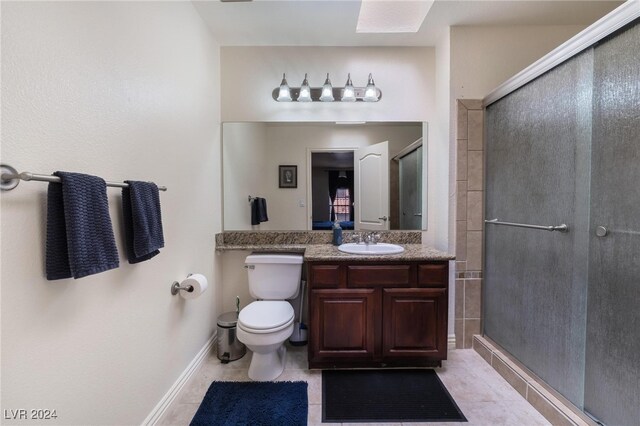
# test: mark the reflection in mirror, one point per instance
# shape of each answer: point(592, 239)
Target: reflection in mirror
point(332, 189)
point(365, 176)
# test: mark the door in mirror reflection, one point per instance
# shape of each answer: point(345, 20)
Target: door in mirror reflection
point(332, 190)
point(371, 170)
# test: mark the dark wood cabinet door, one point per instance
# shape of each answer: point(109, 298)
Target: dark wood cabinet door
point(380, 275)
point(415, 323)
point(326, 276)
point(343, 323)
point(433, 274)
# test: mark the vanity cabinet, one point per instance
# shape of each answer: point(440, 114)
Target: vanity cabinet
point(375, 314)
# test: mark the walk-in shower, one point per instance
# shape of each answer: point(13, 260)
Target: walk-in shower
point(565, 149)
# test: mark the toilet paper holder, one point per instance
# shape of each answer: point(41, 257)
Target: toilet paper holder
point(176, 288)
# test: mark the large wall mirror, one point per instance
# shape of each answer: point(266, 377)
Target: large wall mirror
point(306, 176)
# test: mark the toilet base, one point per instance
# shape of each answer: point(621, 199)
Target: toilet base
point(268, 366)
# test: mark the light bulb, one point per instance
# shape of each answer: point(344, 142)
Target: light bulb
point(305, 91)
point(284, 94)
point(370, 93)
point(327, 91)
point(349, 93)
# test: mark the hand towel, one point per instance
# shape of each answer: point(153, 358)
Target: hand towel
point(258, 211)
point(255, 218)
point(80, 239)
point(142, 220)
point(262, 210)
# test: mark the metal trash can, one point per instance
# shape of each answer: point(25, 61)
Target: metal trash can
point(229, 347)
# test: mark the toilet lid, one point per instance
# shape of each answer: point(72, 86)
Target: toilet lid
point(266, 314)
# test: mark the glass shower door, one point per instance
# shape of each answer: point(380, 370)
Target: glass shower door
point(612, 358)
point(411, 190)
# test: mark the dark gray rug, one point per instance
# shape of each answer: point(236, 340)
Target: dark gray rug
point(396, 395)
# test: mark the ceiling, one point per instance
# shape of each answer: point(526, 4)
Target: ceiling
point(333, 22)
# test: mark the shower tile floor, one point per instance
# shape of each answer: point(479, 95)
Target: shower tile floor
point(482, 394)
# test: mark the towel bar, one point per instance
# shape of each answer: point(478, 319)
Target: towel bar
point(560, 228)
point(11, 178)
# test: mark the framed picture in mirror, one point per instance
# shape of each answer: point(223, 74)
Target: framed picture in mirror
point(288, 176)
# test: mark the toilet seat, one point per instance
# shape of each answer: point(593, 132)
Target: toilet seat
point(266, 316)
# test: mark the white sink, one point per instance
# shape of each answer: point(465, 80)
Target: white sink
point(362, 248)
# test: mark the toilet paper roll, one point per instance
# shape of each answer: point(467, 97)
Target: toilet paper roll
point(199, 284)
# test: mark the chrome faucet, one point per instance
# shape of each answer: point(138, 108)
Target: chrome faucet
point(366, 237)
point(371, 238)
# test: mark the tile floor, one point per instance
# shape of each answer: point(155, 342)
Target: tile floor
point(482, 394)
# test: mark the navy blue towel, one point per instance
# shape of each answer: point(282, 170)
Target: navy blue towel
point(262, 210)
point(142, 220)
point(80, 238)
point(258, 211)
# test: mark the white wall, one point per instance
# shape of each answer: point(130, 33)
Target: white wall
point(288, 143)
point(123, 91)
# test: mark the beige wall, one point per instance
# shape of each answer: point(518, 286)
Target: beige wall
point(404, 74)
point(123, 91)
point(442, 233)
point(484, 57)
point(244, 168)
point(481, 58)
point(288, 143)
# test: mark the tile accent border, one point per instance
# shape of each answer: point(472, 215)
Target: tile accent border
point(469, 220)
point(547, 402)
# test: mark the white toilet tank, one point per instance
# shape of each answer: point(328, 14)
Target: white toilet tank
point(274, 276)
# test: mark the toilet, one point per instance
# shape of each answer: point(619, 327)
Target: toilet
point(264, 325)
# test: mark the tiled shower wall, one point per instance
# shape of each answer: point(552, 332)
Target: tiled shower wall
point(469, 220)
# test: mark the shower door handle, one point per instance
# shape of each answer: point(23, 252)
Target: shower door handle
point(601, 231)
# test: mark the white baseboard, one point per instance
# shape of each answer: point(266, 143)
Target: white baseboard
point(182, 380)
point(451, 341)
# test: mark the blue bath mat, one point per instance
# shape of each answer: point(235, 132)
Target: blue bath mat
point(253, 403)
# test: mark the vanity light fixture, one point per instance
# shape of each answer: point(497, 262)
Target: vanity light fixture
point(326, 93)
point(370, 93)
point(305, 91)
point(349, 93)
point(284, 94)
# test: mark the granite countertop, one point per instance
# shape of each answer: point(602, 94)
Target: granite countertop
point(316, 245)
point(328, 252)
point(273, 248)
